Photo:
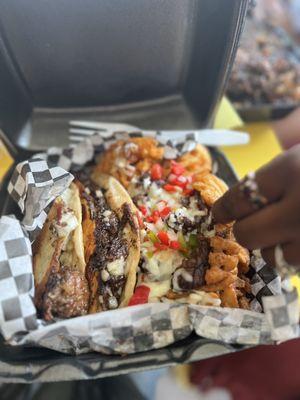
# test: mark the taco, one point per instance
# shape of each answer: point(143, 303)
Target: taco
point(111, 241)
point(61, 287)
point(185, 256)
point(86, 256)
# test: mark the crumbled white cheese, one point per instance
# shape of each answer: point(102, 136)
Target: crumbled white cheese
point(146, 182)
point(158, 289)
point(105, 275)
point(116, 267)
point(162, 264)
point(154, 191)
point(67, 223)
point(106, 215)
point(198, 297)
point(203, 298)
point(112, 303)
point(98, 193)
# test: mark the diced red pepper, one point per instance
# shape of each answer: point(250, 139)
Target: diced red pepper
point(163, 237)
point(143, 210)
point(175, 245)
point(140, 296)
point(155, 216)
point(181, 184)
point(140, 221)
point(170, 188)
point(156, 172)
point(160, 246)
point(165, 212)
point(180, 181)
point(176, 168)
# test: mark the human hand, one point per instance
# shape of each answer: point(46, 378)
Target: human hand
point(276, 220)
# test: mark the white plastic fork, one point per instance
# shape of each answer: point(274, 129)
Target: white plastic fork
point(209, 137)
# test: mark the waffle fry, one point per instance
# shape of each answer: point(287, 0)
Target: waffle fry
point(210, 187)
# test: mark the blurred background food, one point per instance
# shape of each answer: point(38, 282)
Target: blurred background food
point(266, 71)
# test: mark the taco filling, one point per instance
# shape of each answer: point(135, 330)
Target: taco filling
point(184, 255)
point(106, 249)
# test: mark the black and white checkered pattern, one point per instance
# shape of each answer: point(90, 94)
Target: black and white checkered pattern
point(282, 314)
point(173, 148)
point(70, 158)
point(35, 183)
point(230, 325)
point(131, 330)
point(264, 280)
point(17, 311)
point(33, 186)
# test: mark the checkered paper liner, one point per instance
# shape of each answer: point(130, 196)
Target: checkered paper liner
point(34, 185)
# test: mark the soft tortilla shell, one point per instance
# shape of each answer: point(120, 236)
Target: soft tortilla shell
point(117, 196)
point(48, 246)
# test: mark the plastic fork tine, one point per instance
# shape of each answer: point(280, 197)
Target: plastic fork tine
point(84, 132)
point(76, 138)
point(101, 126)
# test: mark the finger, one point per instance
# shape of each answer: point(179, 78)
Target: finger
point(272, 183)
point(291, 252)
point(267, 227)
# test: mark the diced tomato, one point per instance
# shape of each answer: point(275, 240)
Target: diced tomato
point(176, 168)
point(163, 237)
point(140, 296)
point(165, 212)
point(160, 246)
point(143, 210)
point(181, 184)
point(170, 188)
point(180, 181)
point(172, 178)
point(140, 221)
point(175, 245)
point(156, 172)
point(155, 216)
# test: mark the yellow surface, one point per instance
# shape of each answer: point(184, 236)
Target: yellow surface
point(296, 282)
point(226, 117)
point(262, 148)
point(5, 160)
point(263, 144)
